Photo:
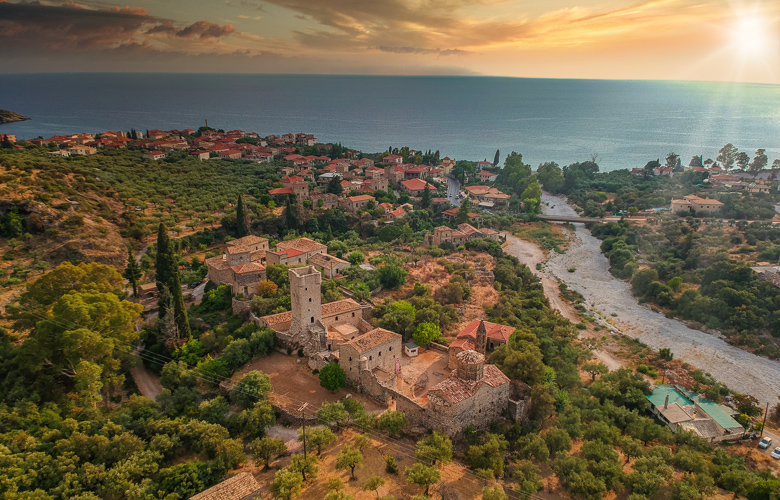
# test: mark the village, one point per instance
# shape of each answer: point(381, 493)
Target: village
point(415, 329)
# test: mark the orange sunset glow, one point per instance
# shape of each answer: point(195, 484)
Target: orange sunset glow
point(721, 40)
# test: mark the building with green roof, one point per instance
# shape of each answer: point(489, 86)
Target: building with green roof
point(682, 409)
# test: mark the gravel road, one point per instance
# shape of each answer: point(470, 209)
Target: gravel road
point(740, 370)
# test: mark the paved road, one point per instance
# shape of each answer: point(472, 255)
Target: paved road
point(453, 189)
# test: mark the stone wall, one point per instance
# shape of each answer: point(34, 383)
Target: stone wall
point(240, 306)
point(479, 410)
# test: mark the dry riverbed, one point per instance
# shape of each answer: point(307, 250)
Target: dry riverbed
point(606, 295)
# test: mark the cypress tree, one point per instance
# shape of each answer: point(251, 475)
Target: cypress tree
point(132, 271)
point(242, 222)
point(496, 158)
point(426, 196)
point(162, 268)
point(179, 309)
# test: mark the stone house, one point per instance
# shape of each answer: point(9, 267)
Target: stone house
point(693, 203)
point(374, 350)
point(241, 265)
point(328, 265)
point(464, 233)
point(355, 203)
point(295, 252)
point(230, 154)
point(415, 187)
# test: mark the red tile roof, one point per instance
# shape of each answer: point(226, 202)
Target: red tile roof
point(280, 191)
point(495, 331)
point(417, 185)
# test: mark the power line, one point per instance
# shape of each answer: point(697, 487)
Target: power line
point(216, 379)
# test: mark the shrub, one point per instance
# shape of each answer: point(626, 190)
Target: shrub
point(333, 377)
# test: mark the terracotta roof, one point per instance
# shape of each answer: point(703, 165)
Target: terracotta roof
point(250, 267)
point(362, 197)
point(290, 252)
point(486, 174)
point(247, 240)
point(237, 249)
point(465, 343)
point(681, 202)
point(338, 307)
point(374, 338)
point(468, 229)
point(280, 191)
point(275, 319)
point(417, 185)
point(218, 263)
point(302, 244)
point(494, 331)
point(456, 390)
point(237, 487)
point(326, 260)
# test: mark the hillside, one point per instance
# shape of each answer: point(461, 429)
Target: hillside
point(90, 208)
point(11, 116)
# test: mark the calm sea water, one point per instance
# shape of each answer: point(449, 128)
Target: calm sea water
point(625, 123)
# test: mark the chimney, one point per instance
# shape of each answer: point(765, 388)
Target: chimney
point(207, 123)
point(666, 402)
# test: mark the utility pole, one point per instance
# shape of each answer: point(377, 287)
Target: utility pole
point(763, 425)
point(302, 409)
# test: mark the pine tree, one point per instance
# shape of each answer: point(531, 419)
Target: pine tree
point(132, 271)
point(496, 158)
point(426, 196)
point(242, 221)
point(162, 268)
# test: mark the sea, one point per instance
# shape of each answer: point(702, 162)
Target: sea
point(623, 124)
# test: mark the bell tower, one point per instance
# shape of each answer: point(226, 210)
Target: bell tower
point(481, 344)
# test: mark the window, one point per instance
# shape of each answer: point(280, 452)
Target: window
point(312, 319)
point(370, 358)
point(309, 299)
point(350, 358)
point(337, 318)
point(380, 353)
point(353, 315)
point(391, 349)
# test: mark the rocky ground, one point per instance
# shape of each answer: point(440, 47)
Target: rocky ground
point(740, 370)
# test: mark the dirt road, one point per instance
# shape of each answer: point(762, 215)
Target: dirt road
point(147, 383)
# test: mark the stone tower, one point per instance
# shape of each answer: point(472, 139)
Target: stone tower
point(481, 343)
point(471, 365)
point(305, 298)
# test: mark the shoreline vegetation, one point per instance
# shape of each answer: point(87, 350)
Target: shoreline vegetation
point(12, 116)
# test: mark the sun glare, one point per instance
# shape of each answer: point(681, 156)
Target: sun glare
point(751, 36)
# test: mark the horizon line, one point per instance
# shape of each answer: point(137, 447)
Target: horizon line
point(379, 75)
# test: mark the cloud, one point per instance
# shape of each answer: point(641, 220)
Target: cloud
point(72, 26)
point(419, 50)
point(205, 29)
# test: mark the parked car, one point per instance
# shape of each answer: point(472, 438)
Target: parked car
point(775, 453)
point(765, 443)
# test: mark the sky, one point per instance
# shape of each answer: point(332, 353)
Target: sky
point(717, 40)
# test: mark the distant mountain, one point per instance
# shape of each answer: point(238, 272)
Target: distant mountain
point(11, 116)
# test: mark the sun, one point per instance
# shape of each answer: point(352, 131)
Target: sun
point(751, 35)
